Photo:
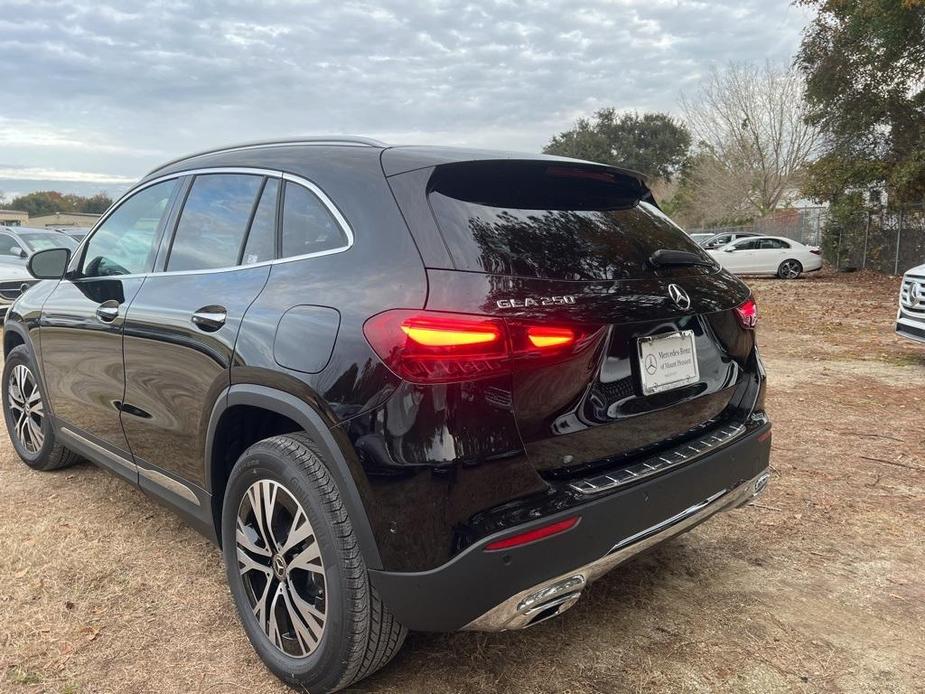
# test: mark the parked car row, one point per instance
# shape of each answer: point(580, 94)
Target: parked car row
point(17, 244)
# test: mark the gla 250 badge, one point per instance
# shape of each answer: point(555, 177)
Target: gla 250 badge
point(564, 300)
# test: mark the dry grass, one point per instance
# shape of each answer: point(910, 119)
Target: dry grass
point(817, 588)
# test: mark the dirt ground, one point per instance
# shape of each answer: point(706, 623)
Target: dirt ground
point(820, 586)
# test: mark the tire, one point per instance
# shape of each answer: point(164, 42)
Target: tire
point(321, 572)
point(790, 269)
point(28, 424)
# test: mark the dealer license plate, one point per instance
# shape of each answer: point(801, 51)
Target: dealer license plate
point(668, 361)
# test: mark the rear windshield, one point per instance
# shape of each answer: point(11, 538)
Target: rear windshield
point(550, 221)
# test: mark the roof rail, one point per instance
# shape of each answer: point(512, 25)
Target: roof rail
point(351, 140)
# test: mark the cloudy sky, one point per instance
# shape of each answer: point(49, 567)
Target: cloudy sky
point(93, 94)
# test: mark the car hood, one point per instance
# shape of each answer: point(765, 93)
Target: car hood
point(14, 271)
point(917, 270)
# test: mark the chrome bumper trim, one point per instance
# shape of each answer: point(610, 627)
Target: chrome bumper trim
point(558, 594)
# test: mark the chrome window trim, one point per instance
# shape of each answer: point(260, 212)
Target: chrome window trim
point(270, 173)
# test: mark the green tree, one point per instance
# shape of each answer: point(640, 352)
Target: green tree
point(51, 201)
point(652, 143)
point(864, 63)
point(95, 204)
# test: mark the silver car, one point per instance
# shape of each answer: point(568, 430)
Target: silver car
point(725, 238)
point(16, 245)
point(910, 318)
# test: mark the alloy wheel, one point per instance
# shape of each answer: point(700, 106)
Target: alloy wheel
point(790, 269)
point(26, 407)
point(281, 568)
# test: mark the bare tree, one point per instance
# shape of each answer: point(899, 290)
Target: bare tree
point(753, 142)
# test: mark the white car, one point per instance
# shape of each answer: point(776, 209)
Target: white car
point(910, 319)
point(768, 255)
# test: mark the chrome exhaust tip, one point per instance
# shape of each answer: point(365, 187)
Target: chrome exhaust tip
point(761, 483)
point(549, 601)
point(548, 610)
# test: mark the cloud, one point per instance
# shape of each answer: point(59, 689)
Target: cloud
point(39, 174)
point(118, 87)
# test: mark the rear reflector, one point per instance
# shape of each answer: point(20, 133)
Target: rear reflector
point(529, 536)
point(747, 314)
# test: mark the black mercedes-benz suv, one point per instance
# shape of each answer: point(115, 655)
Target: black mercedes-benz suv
point(402, 387)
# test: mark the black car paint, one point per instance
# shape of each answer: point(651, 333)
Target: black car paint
point(421, 467)
point(453, 595)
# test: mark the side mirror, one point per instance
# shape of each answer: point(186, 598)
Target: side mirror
point(729, 249)
point(18, 252)
point(49, 264)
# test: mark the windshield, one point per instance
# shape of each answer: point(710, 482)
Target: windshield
point(41, 242)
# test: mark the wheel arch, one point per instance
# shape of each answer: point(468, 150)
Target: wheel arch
point(16, 334)
point(13, 336)
point(307, 419)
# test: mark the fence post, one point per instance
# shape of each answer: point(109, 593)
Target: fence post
point(899, 236)
point(838, 251)
point(866, 237)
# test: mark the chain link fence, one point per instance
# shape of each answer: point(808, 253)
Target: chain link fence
point(805, 225)
point(887, 239)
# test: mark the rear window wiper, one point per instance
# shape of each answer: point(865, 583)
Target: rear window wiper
point(665, 257)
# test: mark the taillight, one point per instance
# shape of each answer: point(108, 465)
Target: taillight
point(432, 347)
point(815, 251)
point(436, 347)
point(747, 314)
point(437, 332)
point(533, 535)
point(541, 337)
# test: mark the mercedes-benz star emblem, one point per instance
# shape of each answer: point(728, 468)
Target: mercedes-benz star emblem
point(651, 364)
point(679, 297)
point(915, 293)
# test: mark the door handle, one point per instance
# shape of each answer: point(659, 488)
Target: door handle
point(108, 311)
point(210, 318)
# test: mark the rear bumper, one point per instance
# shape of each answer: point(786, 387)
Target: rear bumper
point(496, 591)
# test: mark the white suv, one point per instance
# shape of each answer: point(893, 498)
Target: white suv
point(910, 319)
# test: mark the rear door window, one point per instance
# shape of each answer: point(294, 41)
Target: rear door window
point(550, 221)
point(773, 244)
point(215, 217)
point(261, 239)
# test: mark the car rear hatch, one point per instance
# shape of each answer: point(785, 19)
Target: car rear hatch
point(624, 336)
